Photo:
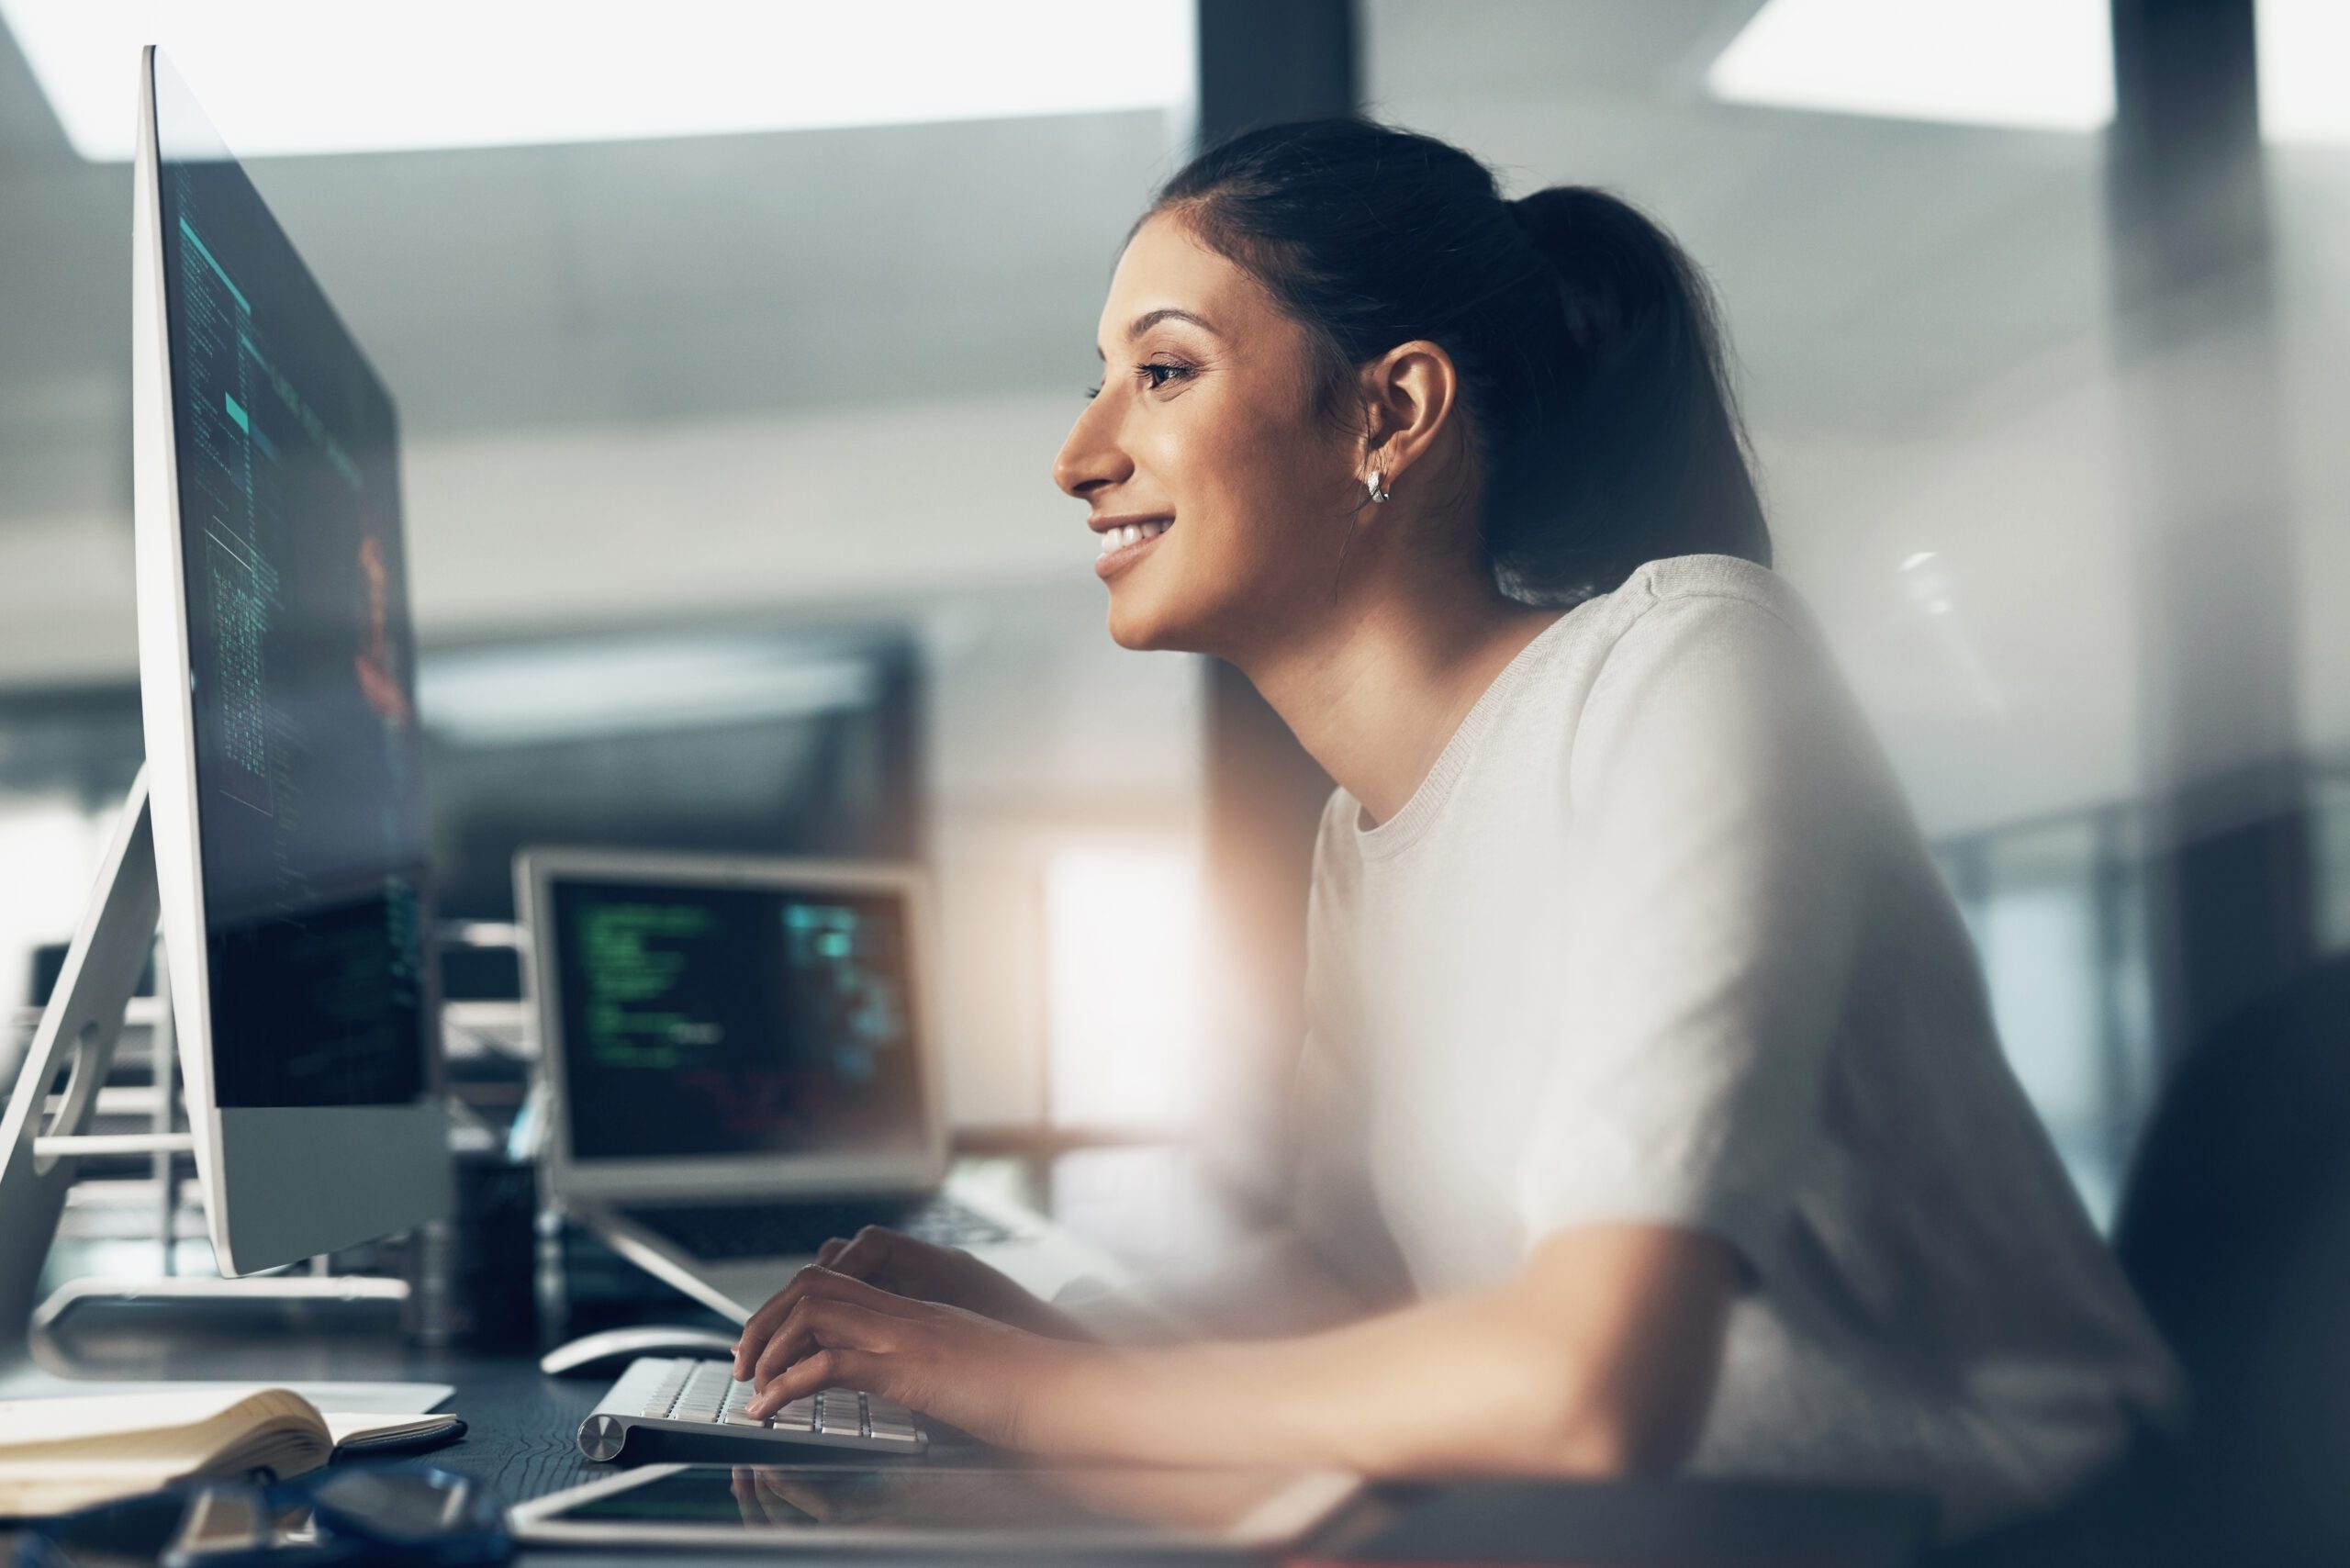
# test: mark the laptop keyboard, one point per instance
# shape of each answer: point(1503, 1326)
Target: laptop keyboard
point(773, 1229)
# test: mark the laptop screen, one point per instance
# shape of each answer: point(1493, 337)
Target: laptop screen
point(708, 1022)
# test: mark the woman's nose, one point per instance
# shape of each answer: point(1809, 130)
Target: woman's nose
point(1090, 459)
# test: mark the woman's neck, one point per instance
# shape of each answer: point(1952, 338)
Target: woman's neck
point(1376, 701)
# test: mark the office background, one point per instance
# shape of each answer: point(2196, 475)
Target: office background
point(731, 520)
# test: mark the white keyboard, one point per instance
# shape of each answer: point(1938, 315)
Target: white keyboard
point(695, 1408)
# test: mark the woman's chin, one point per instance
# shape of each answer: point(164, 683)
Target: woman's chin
point(1132, 633)
point(1157, 618)
point(1136, 628)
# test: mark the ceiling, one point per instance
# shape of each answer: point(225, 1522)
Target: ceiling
point(667, 378)
point(523, 289)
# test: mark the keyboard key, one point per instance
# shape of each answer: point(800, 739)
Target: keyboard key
point(708, 1392)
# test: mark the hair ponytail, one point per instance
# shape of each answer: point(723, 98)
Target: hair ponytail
point(1638, 423)
point(1591, 359)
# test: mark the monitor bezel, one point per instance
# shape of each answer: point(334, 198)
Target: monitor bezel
point(538, 870)
point(278, 1181)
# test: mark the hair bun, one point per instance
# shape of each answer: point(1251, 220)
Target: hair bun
point(1618, 266)
point(1553, 207)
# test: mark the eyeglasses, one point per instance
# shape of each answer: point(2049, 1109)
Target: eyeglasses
point(419, 1515)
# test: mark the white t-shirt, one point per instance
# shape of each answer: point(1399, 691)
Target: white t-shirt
point(1657, 940)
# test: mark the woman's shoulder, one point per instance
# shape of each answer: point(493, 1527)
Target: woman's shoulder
point(1711, 588)
point(1713, 658)
point(1692, 622)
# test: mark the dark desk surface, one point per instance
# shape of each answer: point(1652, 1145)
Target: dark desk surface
point(520, 1424)
point(520, 1427)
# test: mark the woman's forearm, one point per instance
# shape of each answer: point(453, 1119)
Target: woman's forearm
point(1575, 1368)
point(1414, 1391)
point(1269, 1285)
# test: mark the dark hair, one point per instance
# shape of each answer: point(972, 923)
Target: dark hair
point(1602, 420)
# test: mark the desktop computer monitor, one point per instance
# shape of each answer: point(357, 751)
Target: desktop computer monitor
point(276, 673)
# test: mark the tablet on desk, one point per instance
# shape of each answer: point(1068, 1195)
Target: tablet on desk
point(1084, 1508)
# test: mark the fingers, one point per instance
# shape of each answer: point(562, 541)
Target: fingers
point(865, 1255)
point(809, 1502)
point(827, 1368)
point(745, 1485)
point(815, 1281)
point(813, 1323)
point(762, 1499)
point(821, 1341)
point(760, 1327)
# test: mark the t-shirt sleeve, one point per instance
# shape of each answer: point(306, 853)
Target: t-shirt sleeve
point(1718, 785)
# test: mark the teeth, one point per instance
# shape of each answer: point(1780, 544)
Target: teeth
point(1130, 533)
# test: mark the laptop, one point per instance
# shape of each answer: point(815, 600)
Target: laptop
point(740, 1059)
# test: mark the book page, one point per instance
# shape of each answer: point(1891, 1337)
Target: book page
point(62, 1419)
point(70, 1453)
point(344, 1425)
point(177, 1432)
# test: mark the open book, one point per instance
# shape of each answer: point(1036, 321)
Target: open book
point(62, 1453)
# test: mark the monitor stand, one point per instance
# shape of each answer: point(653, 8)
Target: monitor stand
point(78, 1033)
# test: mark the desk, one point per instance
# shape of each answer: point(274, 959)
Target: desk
point(520, 1426)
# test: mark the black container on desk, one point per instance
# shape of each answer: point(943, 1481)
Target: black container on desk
point(470, 1277)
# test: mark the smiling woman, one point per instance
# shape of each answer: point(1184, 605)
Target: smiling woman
point(1650, 1064)
point(1593, 431)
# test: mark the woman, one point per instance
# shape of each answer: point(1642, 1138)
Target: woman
point(1645, 1035)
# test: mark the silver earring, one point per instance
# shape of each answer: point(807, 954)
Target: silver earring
point(1376, 484)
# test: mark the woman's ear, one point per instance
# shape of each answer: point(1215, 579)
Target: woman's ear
point(1409, 393)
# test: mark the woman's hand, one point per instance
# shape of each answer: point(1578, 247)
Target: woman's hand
point(827, 1331)
point(948, 1275)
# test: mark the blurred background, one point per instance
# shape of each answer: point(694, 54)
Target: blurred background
point(729, 424)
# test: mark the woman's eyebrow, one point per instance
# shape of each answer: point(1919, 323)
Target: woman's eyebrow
point(1150, 319)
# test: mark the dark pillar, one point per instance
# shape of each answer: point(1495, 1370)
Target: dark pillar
point(1262, 62)
point(2229, 872)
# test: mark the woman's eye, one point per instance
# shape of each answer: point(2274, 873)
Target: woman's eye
point(1152, 377)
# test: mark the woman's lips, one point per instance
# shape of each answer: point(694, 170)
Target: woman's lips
point(1121, 547)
